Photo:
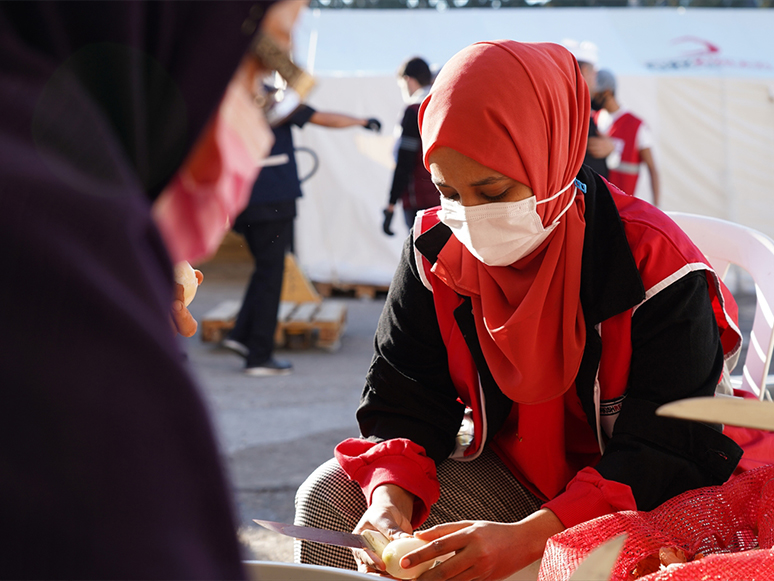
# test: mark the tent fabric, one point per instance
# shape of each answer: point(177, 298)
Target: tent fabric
point(702, 79)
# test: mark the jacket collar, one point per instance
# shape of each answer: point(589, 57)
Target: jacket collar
point(610, 281)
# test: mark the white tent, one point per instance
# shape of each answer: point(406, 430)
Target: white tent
point(703, 79)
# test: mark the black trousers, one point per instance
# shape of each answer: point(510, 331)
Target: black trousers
point(257, 319)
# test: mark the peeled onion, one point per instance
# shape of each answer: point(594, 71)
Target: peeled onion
point(185, 275)
point(396, 550)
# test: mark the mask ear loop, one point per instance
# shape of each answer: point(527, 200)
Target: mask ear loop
point(559, 193)
point(556, 195)
point(567, 207)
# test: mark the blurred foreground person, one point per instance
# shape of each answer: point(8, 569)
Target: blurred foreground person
point(109, 465)
point(528, 337)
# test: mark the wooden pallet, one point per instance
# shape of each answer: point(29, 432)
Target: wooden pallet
point(299, 325)
point(219, 321)
point(360, 291)
point(304, 319)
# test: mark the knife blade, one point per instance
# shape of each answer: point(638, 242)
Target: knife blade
point(598, 564)
point(328, 537)
point(733, 411)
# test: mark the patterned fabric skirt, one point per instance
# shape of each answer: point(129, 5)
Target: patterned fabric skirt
point(480, 489)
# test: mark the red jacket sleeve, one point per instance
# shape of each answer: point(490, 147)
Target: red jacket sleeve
point(589, 496)
point(398, 461)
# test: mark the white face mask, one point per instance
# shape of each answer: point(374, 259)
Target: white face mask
point(499, 233)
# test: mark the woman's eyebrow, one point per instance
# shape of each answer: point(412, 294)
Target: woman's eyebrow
point(489, 180)
point(484, 182)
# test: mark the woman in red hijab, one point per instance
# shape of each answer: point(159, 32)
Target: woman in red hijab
point(536, 321)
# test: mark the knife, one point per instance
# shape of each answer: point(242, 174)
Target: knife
point(598, 564)
point(374, 540)
point(733, 411)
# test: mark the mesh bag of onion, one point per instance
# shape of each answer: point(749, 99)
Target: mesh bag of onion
point(714, 533)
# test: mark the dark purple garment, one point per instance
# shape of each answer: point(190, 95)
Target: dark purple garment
point(108, 464)
point(157, 70)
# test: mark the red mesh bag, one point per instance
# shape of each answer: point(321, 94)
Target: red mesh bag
point(722, 532)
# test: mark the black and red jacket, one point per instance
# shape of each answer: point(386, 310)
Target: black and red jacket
point(657, 328)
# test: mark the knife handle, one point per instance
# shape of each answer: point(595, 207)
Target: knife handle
point(376, 541)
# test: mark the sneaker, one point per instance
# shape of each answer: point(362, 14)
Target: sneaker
point(270, 367)
point(235, 346)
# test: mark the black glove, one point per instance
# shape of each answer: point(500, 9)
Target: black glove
point(387, 221)
point(373, 125)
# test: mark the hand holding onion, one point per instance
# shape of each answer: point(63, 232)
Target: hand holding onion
point(399, 548)
point(389, 512)
point(187, 280)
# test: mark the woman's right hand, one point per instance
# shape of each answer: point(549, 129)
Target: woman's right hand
point(390, 514)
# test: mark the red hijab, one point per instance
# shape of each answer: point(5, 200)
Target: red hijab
point(521, 109)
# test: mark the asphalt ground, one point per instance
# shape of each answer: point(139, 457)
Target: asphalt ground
point(274, 431)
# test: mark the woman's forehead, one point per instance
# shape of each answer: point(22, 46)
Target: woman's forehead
point(448, 164)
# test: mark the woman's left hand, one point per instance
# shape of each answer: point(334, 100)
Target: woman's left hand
point(484, 551)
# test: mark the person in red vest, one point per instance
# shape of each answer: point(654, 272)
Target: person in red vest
point(632, 137)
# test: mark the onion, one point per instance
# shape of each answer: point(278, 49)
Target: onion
point(185, 275)
point(396, 550)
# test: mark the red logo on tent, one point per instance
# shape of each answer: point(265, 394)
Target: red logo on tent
point(705, 46)
point(700, 53)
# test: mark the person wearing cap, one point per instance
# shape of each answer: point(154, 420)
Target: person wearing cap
point(535, 322)
point(598, 147)
point(411, 182)
point(632, 138)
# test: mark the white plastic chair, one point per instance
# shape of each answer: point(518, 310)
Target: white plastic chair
point(276, 571)
point(725, 243)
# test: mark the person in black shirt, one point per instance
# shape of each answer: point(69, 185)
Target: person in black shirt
point(267, 225)
point(411, 182)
